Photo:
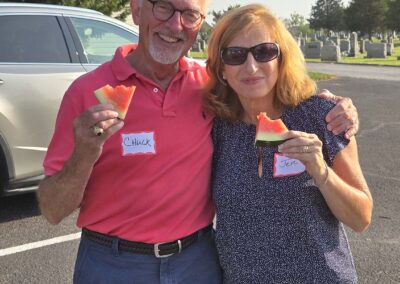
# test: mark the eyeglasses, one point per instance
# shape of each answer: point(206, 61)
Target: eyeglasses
point(262, 52)
point(163, 11)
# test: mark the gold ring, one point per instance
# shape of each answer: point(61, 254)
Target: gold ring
point(98, 131)
point(306, 149)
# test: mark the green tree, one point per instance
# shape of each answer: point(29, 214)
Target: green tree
point(105, 6)
point(219, 14)
point(366, 16)
point(328, 15)
point(393, 15)
point(298, 23)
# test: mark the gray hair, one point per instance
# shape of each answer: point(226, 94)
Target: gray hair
point(208, 2)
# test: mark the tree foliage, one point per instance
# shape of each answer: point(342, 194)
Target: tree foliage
point(366, 16)
point(219, 14)
point(328, 15)
point(299, 23)
point(105, 6)
point(393, 15)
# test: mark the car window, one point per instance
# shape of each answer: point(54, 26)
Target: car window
point(100, 39)
point(32, 39)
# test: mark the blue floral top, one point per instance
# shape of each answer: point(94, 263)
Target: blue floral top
point(276, 230)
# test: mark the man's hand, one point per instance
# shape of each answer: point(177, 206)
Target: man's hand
point(343, 117)
point(88, 145)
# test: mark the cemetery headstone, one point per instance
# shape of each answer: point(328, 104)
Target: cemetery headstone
point(336, 40)
point(345, 46)
point(313, 49)
point(362, 45)
point(354, 49)
point(196, 46)
point(390, 46)
point(376, 50)
point(330, 53)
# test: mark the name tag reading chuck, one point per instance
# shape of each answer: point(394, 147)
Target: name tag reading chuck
point(284, 166)
point(138, 143)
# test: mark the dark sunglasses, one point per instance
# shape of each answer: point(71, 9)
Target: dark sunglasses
point(262, 52)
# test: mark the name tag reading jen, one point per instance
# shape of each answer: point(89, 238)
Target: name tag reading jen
point(284, 166)
point(138, 143)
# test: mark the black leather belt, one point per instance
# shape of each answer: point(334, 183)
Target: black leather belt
point(158, 249)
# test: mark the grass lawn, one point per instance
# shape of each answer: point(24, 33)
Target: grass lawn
point(200, 55)
point(320, 76)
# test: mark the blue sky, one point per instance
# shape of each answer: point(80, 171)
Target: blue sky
point(282, 8)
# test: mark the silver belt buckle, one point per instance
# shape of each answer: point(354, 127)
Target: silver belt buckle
point(157, 249)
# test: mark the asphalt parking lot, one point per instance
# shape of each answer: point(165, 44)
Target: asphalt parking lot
point(376, 252)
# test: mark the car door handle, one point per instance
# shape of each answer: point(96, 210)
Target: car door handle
point(1, 82)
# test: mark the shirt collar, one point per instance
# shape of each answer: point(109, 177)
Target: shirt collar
point(122, 69)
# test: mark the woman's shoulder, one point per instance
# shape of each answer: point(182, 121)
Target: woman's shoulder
point(313, 110)
point(316, 104)
point(310, 116)
point(218, 124)
point(219, 128)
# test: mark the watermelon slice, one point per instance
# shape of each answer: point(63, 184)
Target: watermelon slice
point(120, 97)
point(269, 132)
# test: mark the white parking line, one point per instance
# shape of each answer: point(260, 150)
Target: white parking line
point(39, 244)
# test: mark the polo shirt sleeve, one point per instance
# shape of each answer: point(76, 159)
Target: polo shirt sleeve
point(62, 142)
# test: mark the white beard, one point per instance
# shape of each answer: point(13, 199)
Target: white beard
point(170, 55)
point(165, 56)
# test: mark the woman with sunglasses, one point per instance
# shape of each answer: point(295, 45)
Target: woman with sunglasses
point(286, 227)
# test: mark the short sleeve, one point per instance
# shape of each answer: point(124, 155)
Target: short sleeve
point(62, 142)
point(313, 111)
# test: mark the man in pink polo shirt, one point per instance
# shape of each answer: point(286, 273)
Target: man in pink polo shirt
point(142, 187)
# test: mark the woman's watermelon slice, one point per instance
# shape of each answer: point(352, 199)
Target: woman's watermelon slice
point(269, 132)
point(120, 97)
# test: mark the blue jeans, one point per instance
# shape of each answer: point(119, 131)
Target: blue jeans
point(197, 264)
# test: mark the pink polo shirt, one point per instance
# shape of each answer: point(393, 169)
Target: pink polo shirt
point(151, 183)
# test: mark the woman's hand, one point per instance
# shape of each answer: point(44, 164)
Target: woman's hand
point(307, 148)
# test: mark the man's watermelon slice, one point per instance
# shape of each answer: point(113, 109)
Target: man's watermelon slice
point(269, 132)
point(120, 97)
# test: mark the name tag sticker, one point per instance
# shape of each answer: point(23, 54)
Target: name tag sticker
point(284, 166)
point(138, 143)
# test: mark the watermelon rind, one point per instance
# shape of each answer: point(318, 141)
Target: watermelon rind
point(102, 98)
point(264, 143)
point(265, 137)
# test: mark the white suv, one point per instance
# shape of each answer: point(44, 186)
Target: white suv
point(43, 48)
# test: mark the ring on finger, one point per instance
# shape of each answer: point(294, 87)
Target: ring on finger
point(306, 149)
point(98, 131)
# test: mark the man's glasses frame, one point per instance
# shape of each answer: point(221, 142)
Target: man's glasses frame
point(263, 52)
point(163, 11)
